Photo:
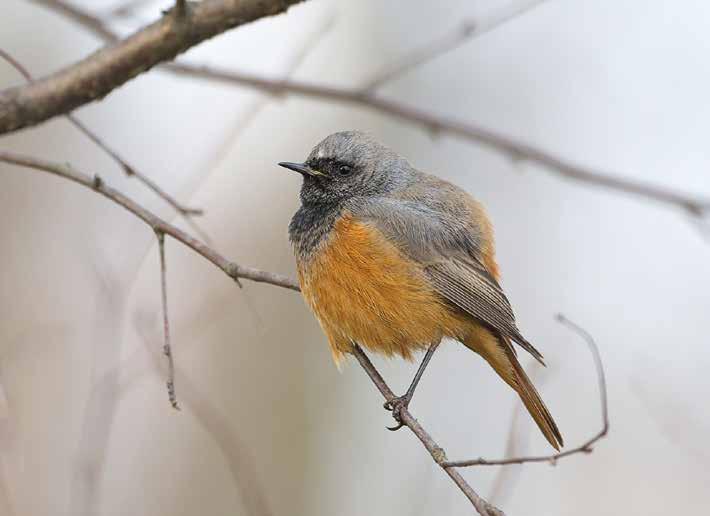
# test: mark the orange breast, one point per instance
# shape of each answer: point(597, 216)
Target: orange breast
point(363, 289)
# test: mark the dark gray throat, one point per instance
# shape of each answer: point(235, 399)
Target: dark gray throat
point(310, 225)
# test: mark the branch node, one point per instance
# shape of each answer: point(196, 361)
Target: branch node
point(171, 395)
point(97, 183)
point(439, 455)
point(234, 271)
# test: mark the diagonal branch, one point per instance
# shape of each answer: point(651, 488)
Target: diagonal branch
point(233, 270)
point(517, 149)
point(509, 146)
point(437, 453)
point(128, 169)
point(465, 32)
point(112, 66)
point(585, 447)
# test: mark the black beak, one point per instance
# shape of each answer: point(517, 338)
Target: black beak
point(300, 168)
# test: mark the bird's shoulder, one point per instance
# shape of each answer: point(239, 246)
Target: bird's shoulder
point(430, 219)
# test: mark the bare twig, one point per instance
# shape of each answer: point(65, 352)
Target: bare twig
point(81, 17)
point(129, 170)
point(237, 453)
point(437, 453)
point(585, 447)
point(167, 348)
point(466, 31)
point(233, 270)
point(73, 77)
point(112, 66)
point(436, 124)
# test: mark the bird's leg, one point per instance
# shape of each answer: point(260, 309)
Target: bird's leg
point(397, 404)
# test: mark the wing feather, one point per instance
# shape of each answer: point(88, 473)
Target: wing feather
point(469, 287)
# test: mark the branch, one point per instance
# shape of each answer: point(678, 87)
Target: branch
point(233, 270)
point(114, 65)
point(125, 166)
point(585, 447)
point(509, 146)
point(167, 348)
point(516, 149)
point(466, 31)
point(437, 453)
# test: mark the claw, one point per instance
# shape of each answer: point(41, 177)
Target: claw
point(395, 406)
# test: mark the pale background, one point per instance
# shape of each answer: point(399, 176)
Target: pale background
point(268, 424)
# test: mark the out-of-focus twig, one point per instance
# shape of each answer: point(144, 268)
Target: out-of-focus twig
point(585, 447)
point(129, 170)
point(435, 124)
point(237, 453)
point(463, 33)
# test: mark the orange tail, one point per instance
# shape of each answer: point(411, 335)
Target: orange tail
point(503, 360)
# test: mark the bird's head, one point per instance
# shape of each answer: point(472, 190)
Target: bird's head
point(346, 165)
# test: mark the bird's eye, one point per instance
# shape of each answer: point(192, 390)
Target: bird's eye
point(345, 170)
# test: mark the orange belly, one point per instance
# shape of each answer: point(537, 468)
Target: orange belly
point(363, 289)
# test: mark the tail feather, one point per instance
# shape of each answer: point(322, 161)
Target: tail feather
point(536, 407)
point(498, 353)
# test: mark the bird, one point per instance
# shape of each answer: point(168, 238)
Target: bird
point(394, 260)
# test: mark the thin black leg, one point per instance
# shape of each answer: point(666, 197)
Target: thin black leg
point(397, 404)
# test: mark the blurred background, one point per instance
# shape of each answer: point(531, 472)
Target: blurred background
point(268, 425)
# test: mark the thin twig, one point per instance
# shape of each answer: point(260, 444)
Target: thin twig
point(437, 453)
point(585, 447)
point(435, 124)
point(463, 33)
point(233, 270)
point(236, 452)
point(128, 169)
point(167, 347)
point(509, 146)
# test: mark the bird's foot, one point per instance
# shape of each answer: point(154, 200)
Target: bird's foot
point(396, 406)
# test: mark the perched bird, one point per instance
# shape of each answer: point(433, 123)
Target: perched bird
point(395, 259)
